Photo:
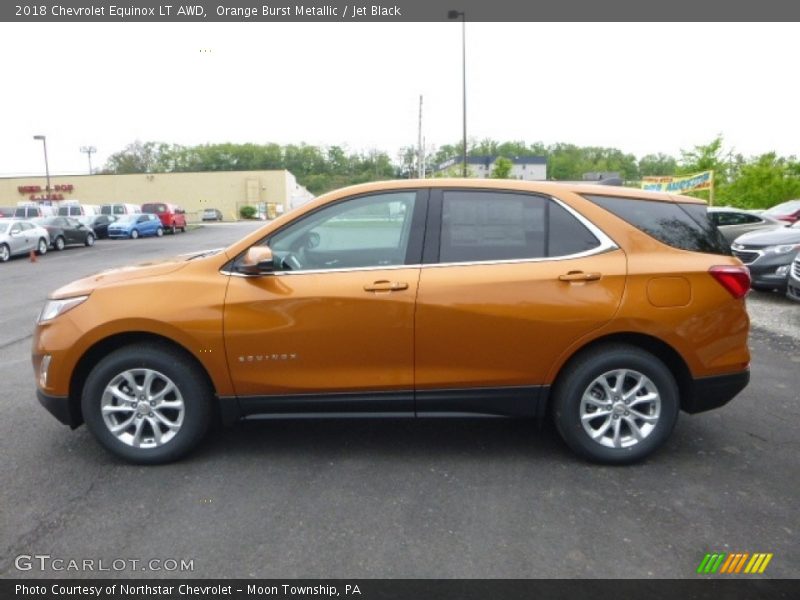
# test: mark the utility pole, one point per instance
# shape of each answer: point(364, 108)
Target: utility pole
point(420, 150)
point(89, 150)
point(43, 139)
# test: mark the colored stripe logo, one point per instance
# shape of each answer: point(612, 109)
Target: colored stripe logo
point(733, 563)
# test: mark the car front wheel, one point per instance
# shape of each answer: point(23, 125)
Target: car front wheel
point(59, 243)
point(134, 234)
point(90, 240)
point(616, 404)
point(147, 403)
point(5, 253)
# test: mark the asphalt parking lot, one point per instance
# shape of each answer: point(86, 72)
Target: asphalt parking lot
point(404, 498)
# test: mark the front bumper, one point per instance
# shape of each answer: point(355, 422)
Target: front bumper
point(708, 393)
point(793, 288)
point(61, 408)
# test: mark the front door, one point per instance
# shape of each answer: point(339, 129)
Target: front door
point(331, 329)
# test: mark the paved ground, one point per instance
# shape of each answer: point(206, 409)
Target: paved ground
point(490, 498)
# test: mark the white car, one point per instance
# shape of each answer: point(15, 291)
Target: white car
point(21, 237)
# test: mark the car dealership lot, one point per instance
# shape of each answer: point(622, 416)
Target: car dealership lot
point(405, 498)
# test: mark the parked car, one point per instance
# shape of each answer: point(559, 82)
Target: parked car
point(609, 309)
point(120, 208)
point(212, 214)
point(793, 285)
point(172, 216)
point(33, 211)
point(6, 212)
point(74, 209)
point(733, 222)
point(21, 237)
point(66, 231)
point(98, 223)
point(135, 226)
point(788, 211)
point(768, 255)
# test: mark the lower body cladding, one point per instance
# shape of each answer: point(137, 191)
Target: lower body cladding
point(701, 394)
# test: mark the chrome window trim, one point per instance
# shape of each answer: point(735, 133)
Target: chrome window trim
point(606, 245)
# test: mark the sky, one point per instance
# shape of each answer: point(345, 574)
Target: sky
point(640, 87)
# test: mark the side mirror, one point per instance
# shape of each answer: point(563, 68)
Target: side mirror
point(256, 261)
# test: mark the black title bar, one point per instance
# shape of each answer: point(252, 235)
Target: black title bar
point(265, 11)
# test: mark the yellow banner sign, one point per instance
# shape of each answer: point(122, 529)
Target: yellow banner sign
point(680, 184)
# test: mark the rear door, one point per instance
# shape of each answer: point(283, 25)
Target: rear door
point(509, 281)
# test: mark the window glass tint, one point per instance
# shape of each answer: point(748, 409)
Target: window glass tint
point(680, 225)
point(105, 210)
point(361, 232)
point(567, 235)
point(484, 226)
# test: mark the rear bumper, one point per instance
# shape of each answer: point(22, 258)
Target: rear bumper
point(61, 408)
point(707, 393)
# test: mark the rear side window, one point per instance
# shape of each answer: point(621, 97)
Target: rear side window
point(685, 226)
point(485, 226)
point(154, 208)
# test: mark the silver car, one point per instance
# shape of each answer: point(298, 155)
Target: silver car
point(733, 222)
point(20, 237)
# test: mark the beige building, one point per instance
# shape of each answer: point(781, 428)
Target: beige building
point(270, 192)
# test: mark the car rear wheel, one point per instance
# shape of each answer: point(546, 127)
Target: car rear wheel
point(183, 229)
point(59, 243)
point(90, 240)
point(159, 232)
point(134, 234)
point(147, 403)
point(41, 247)
point(616, 404)
point(5, 253)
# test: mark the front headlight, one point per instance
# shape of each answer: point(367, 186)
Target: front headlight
point(54, 308)
point(782, 249)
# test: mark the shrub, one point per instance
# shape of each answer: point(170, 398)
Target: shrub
point(247, 212)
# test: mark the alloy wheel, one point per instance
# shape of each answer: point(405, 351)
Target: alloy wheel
point(142, 408)
point(620, 408)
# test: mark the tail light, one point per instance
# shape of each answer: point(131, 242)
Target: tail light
point(734, 279)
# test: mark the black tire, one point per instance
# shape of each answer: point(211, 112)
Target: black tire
point(575, 381)
point(59, 243)
point(134, 234)
point(41, 247)
point(160, 232)
point(5, 253)
point(184, 373)
point(183, 229)
point(89, 240)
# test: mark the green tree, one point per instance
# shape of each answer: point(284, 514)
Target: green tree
point(502, 168)
point(657, 164)
point(763, 182)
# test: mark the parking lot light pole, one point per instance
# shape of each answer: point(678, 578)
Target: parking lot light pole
point(46, 166)
point(455, 14)
point(89, 150)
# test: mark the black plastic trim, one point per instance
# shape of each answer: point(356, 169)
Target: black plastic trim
point(61, 408)
point(337, 404)
point(522, 401)
point(708, 393)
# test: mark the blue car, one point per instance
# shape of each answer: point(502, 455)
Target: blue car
point(134, 226)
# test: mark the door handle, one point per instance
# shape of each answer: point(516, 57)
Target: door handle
point(580, 276)
point(385, 286)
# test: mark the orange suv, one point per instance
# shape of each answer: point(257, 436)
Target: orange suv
point(608, 309)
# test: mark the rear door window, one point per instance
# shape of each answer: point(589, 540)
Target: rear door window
point(480, 226)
